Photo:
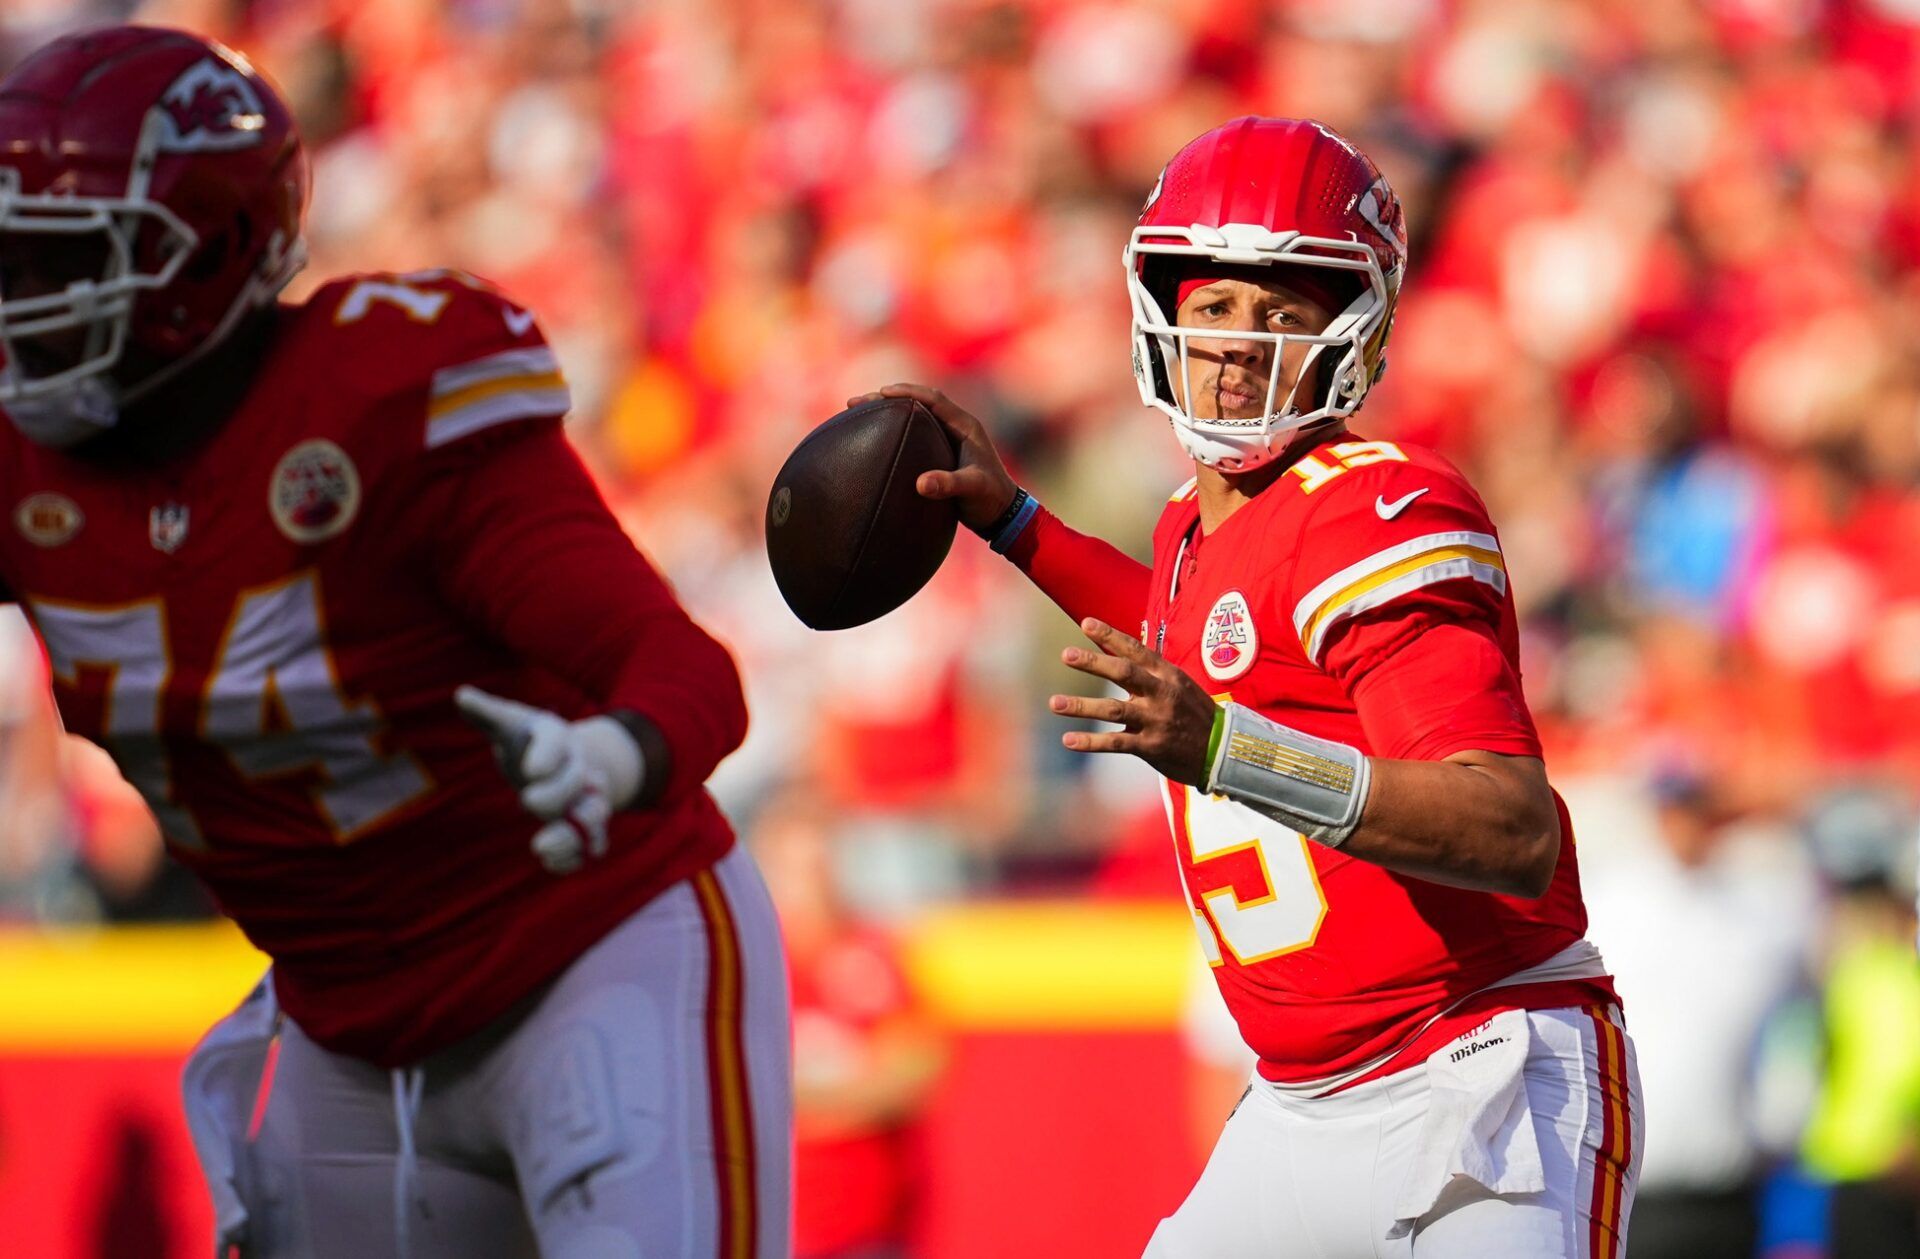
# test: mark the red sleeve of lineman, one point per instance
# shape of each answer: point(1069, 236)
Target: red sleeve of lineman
point(529, 549)
point(1085, 576)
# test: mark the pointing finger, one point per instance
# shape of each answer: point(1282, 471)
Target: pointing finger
point(492, 713)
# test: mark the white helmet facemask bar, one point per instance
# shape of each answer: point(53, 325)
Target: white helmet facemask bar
point(103, 306)
point(1175, 342)
point(1243, 444)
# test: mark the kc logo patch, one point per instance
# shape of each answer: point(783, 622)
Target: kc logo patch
point(315, 492)
point(48, 519)
point(1229, 645)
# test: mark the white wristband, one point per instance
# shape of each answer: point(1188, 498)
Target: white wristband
point(1314, 785)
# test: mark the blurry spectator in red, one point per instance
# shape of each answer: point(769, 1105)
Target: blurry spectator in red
point(865, 1057)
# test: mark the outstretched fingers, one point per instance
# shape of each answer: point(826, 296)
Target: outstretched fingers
point(1115, 642)
point(1121, 659)
point(1102, 741)
point(1121, 672)
point(1094, 709)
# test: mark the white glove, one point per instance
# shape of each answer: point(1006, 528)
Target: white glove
point(571, 774)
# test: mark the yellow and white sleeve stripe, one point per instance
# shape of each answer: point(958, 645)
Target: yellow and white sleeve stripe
point(512, 385)
point(1386, 575)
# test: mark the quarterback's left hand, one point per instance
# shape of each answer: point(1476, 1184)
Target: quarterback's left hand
point(1166, 719)
point(571, 774)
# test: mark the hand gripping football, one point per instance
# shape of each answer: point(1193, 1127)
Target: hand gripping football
point(848, 536)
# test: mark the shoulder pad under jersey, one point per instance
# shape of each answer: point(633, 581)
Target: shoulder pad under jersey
point(439, 354)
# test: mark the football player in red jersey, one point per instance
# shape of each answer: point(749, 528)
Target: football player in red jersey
point(303, 569)
point(1327, 678)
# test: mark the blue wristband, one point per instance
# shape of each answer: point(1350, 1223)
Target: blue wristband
point(1023, 514)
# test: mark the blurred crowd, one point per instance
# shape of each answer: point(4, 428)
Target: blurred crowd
point(1663, 308)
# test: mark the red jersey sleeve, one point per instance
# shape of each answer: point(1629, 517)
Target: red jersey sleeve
point(430, 358)
point(478, 478)
point(1399, 593)
point(1084, 575)
point(523, 544)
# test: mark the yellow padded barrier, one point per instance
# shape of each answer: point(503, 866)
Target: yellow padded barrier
point(1005, 966)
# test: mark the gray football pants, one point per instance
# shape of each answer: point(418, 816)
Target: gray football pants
point(641, 1108)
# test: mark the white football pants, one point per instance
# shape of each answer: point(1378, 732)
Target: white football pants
point(1519, 1139)
point(640, 1108)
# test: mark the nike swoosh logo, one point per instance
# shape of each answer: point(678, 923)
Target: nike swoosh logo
point(518, 321)
point(1389, 510)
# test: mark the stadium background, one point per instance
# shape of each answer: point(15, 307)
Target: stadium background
point(1663, 309)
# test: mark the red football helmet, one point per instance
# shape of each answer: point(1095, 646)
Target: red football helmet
point(173, 162)
point(1272, 192)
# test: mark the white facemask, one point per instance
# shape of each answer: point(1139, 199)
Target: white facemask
point(85, 408)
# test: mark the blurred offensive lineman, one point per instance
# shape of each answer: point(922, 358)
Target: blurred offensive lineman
point(275, 553)
point(1327, 679)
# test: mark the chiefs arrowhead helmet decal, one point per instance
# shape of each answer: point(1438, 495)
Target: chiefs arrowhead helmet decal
point(211, 107)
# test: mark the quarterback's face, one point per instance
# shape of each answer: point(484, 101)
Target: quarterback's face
point(1226, 375)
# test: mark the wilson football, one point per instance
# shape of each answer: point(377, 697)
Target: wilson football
point(848, 536)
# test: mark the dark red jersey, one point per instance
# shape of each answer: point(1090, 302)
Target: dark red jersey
point(266, 634)
point(1361, 597)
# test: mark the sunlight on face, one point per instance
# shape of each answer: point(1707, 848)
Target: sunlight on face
point(1227, 376)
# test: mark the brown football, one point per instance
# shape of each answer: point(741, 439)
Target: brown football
point(848, 536)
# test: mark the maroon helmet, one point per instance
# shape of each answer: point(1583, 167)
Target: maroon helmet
point(1274, 192)
point(172, 169)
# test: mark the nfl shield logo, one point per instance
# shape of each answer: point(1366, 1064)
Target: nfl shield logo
point(167, 527)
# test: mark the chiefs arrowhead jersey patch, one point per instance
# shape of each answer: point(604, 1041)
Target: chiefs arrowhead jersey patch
point(315, 492)
point(1229, 645)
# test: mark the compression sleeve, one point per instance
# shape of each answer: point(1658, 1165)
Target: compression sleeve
point(1084, 575)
